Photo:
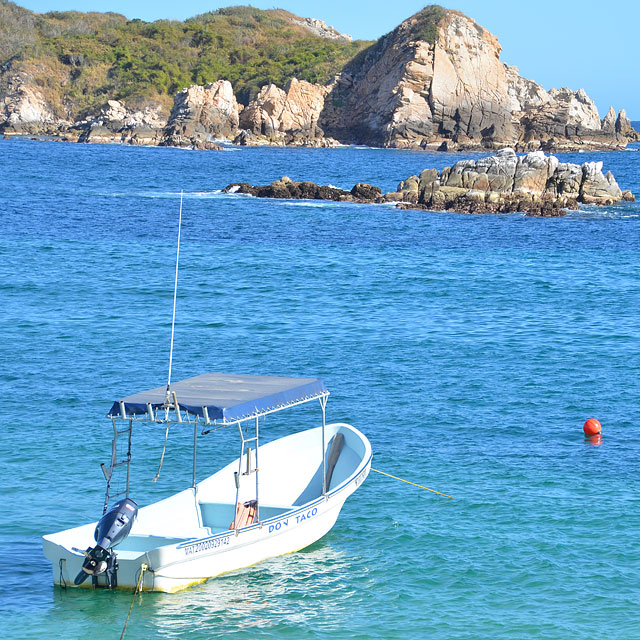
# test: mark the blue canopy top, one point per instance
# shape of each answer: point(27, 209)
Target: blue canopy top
point(227, 397)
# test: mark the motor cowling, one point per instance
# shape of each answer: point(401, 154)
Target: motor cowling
point(110, 531)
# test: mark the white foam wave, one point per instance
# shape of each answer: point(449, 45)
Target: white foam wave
point(162, 194)
point(309, 203)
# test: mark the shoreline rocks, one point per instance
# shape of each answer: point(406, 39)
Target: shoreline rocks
point(285, 117)
point(537, 184)
point(202, 114)
point(23, 108)
point(117, 124)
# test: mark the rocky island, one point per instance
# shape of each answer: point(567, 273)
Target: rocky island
point(534, 183)
point(435, 82)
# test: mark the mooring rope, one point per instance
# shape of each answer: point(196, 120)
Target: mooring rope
point(412, 483)
point(143, 568)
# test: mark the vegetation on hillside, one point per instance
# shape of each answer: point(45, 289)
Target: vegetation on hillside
point(424, 24)
point(79, 60)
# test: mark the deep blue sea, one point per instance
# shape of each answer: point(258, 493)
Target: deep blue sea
point(469, 349)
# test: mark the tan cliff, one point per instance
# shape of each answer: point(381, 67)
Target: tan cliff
point(23, 108)
point(409, 92)
point(437, 81)
point(202, 114)
point(285, 117)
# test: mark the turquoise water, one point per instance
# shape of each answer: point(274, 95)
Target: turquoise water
point(469, 349)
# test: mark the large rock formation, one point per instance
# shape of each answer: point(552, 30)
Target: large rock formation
point(117, 123)
point(537, 184)
point(437, 81)
point(24, 110)
point(288, 116)
point(201, 115)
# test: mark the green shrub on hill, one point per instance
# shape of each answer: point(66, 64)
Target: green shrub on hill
point(82, 59)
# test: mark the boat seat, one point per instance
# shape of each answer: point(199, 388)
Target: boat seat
point(245, 514)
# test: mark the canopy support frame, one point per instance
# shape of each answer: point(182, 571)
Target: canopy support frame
point(246, 450)
point(323, 405)
point(170, 412)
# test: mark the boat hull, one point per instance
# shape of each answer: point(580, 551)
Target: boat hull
point(185, 561)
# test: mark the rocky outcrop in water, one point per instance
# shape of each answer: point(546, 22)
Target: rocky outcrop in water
point(535, 183)
point(288, 189)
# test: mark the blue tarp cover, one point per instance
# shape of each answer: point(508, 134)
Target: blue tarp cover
point(228, 397)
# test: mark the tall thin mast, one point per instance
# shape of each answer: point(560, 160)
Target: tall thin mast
point(175, 295)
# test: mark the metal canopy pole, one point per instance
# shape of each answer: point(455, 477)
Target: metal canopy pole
point(129, 456)
point(195, 442)
point(257, 473)
point(323, 404)
point(237, 475)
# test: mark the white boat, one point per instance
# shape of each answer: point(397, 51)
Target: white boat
point(274, 499)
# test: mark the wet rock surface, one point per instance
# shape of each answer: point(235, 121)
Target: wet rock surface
point(535, 184)
point(288, 189)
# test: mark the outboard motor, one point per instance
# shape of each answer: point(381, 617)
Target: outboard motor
point(113, 528)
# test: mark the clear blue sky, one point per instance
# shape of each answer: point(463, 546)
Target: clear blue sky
point(558, 43)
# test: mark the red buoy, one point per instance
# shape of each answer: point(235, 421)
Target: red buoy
point(592, 427)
